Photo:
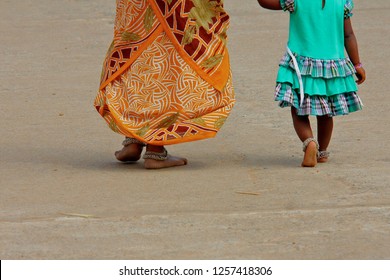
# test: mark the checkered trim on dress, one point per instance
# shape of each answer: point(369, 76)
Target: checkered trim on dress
point(317, 105)
point(320, 68)
point(288, 5)
point(348, 7)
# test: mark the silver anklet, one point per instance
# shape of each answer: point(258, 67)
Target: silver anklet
point(307, 141)
point(323, 154)
point(128, 141)
point(156, 156)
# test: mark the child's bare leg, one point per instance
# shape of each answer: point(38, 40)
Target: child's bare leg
point(157, 157)
point(301, 125)
point(131, 150)
point(303, 129)
point(325, 129)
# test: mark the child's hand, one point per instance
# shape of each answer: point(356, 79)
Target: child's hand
point(361, 75)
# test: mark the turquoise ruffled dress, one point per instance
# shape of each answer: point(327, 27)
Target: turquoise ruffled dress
point(316, 40)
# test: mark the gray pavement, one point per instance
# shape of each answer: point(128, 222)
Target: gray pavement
point(63, 195)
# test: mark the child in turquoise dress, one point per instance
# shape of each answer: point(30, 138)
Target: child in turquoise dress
point(315, 76)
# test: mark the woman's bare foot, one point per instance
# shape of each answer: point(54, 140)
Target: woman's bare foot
point(171, 161)
point(157, 157)
point(310, 157)
point(131, 152)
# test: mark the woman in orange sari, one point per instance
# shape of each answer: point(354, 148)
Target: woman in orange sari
point(166, 78)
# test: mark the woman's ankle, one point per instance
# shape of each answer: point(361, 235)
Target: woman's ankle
point(155, 149)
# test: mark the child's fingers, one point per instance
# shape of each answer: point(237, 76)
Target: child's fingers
point(360, 80)
point(361, 75)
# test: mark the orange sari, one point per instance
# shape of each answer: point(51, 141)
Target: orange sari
point(166, 78)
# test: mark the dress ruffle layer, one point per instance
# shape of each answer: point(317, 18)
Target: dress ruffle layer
point(320, 68)
point(317, 86)
point(341, 104)
point(319, 76)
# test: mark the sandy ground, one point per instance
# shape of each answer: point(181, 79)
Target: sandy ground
point(57, 153)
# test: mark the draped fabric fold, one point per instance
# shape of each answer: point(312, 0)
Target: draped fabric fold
point(166, 78)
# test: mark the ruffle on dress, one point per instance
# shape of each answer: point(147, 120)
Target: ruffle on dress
point(329, 86)
point(335, 105)
point(320, 68)
point(319, 76)
point(317, 86)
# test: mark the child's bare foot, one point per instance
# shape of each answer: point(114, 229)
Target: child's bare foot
point(323, 156)
point(161, 159)
point(310, 149)
point(131, 151)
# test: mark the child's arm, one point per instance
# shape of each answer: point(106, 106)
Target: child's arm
point(270, 4)
point(351, 46)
